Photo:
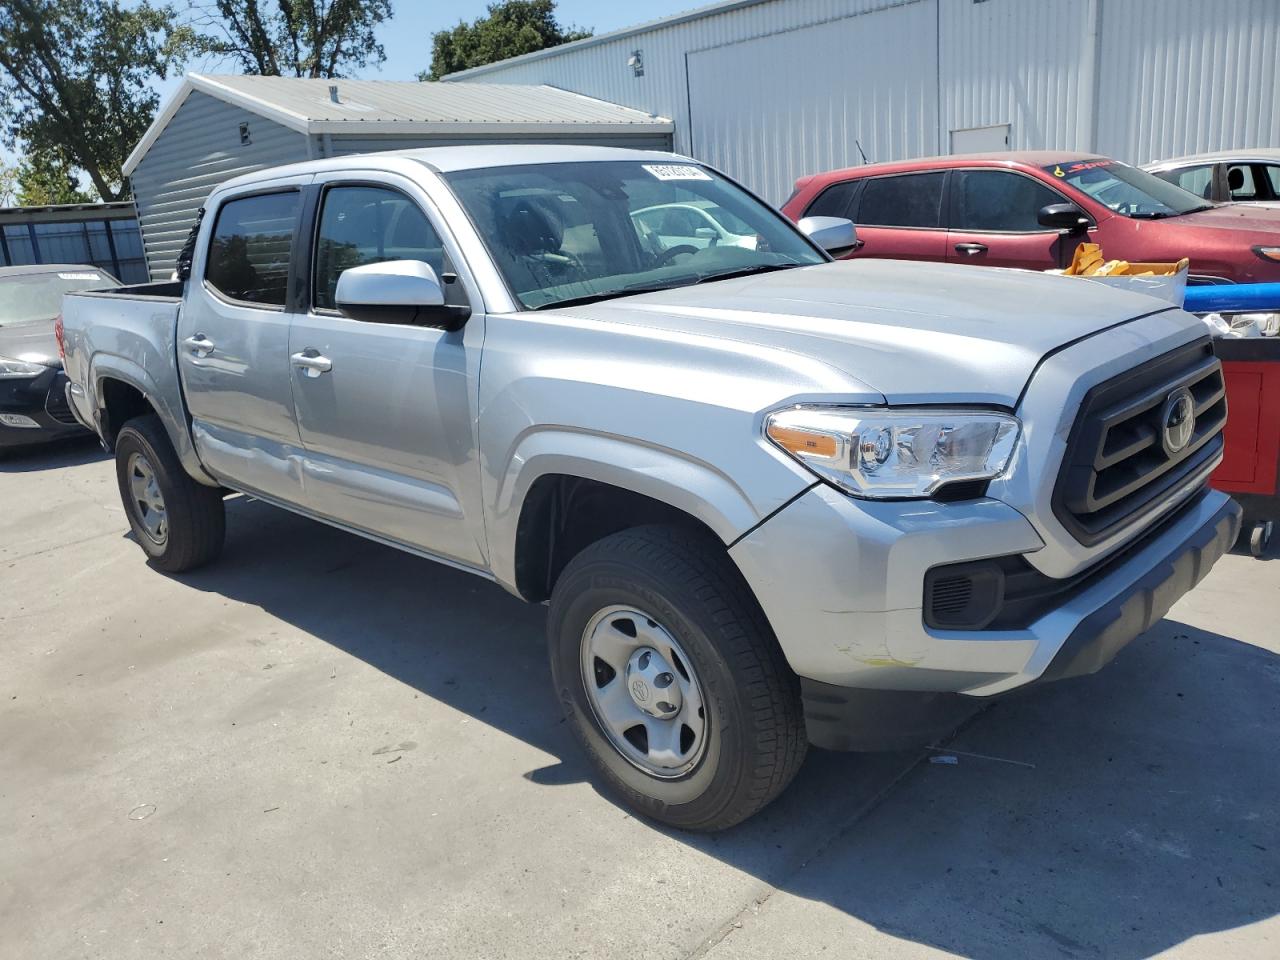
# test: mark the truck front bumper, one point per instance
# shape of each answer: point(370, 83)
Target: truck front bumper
point(850, 617)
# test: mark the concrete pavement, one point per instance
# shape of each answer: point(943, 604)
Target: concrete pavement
point(323, 747)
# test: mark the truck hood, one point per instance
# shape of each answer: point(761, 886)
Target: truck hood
point(914, 332)
point(33, 341)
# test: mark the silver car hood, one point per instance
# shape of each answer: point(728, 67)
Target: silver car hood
point(914, 332)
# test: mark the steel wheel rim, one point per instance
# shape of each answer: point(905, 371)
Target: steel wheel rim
point(148, 502)
point(668, 735)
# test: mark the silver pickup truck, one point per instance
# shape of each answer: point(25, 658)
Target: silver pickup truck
point(770, 499)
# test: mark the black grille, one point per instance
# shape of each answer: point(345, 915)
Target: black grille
point(1117, 464)
point(55, 404)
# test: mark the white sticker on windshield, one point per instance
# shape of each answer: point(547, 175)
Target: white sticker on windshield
point(79, 276)
point(676, 171)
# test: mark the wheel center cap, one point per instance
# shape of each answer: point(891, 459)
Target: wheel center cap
point(651, 681)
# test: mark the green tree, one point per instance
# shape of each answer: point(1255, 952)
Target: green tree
point(512, 27)
point(293, 38)
point(42, 180)
point(8, 185)
point(76, 80)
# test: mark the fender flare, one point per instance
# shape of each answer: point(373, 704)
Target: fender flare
point(692, 486)
point(103, 367)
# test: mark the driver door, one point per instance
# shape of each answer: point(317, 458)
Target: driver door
point(386, 409)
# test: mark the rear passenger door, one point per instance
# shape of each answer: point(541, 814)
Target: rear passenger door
point(900, 217)
point(994, 218)
point(233, 341)
point(388, 426)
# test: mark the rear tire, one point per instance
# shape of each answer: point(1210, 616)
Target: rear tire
point(716, 730)
point(179, 523)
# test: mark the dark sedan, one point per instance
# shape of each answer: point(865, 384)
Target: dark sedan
point(33, 403)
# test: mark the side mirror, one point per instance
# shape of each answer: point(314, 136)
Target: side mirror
point(704, 233)
point(1063, 216)
point(836, 235)
point(397, 291)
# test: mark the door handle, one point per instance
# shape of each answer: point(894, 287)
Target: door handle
point(311, 363)
point(971, 249)
point(200, 345)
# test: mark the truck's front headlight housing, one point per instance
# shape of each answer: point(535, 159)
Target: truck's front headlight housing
point(894, 454)
point(10, 367)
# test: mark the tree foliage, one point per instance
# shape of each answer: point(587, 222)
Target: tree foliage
point(76, 81)
point(42, 180)
point(512, 27)
point(293, 38)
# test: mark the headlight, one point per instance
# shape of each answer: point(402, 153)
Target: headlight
point(19, 368)
point(904, 453)
point(1268, 253)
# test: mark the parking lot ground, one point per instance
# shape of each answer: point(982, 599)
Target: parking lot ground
point(321, 747)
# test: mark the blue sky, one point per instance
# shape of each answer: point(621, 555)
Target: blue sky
point(407, 37)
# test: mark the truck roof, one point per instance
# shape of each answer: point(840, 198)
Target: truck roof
point(450, 159)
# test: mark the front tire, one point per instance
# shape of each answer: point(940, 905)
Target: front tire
point(179, 523)
point(672, 680)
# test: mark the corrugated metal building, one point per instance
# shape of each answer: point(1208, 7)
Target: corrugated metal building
point(102, 234)
point(216, 128)
point(770, 90)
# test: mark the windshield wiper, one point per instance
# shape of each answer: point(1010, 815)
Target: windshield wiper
point(1153, 215)
point(612, 294)
point(746, 271)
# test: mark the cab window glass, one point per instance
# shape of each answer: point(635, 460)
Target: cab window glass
point(252, 242)
point(1241, 183)
point(833, 201)
point(1273, 175)
point(996, 200)
point(360, 225)
point(1198, 180)
point(912, 200)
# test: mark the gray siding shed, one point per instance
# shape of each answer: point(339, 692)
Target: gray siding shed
point(196, 141)
point(199, 149)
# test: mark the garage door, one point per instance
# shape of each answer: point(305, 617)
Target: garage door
point(774, 108)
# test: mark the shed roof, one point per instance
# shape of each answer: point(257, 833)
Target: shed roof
point(408, 107)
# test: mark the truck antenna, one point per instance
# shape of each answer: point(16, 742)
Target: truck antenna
point(861, 151)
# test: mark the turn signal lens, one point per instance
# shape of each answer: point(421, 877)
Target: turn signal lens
point(804, 443)
point(1268, 253)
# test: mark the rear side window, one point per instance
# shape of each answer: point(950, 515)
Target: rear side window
point(1273, 177)
point(998, 201)
point(1198, 180)
point(1241, 183)
point(252, 243)
point(833, 201)
point(910, 200)
point(360, 225)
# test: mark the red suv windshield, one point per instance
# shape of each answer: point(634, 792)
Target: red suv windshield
point(1126, 190)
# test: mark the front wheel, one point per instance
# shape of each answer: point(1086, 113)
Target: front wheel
point(179, 523)
point(672, 679)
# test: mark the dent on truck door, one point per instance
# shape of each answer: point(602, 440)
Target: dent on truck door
point(387, 415)
point(233, 346)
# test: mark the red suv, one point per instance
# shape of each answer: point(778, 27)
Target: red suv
point(1030, 209)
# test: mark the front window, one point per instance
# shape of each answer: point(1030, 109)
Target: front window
point(38, 296)
point(565, 233)
point(1126, 190)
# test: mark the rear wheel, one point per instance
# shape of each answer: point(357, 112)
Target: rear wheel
point(672, 680)
point(179, 523)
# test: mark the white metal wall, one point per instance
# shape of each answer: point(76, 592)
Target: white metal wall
point(600, 70)
point(1027, 63)
point(869, 79)
point(1186, 77)
point(766, 90)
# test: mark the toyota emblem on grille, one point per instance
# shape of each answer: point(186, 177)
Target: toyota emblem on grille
point(1179, 421)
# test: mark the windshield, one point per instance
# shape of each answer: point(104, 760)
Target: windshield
point(1127, 190)
point(574, 232)
point(38, 296)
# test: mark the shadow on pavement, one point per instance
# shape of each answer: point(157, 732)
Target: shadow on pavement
point(1148, 816)
point(50, 456)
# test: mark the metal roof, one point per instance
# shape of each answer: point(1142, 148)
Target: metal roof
point(407, 107)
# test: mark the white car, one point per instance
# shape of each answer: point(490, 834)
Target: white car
point(1232, 176)
point(696, 224)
